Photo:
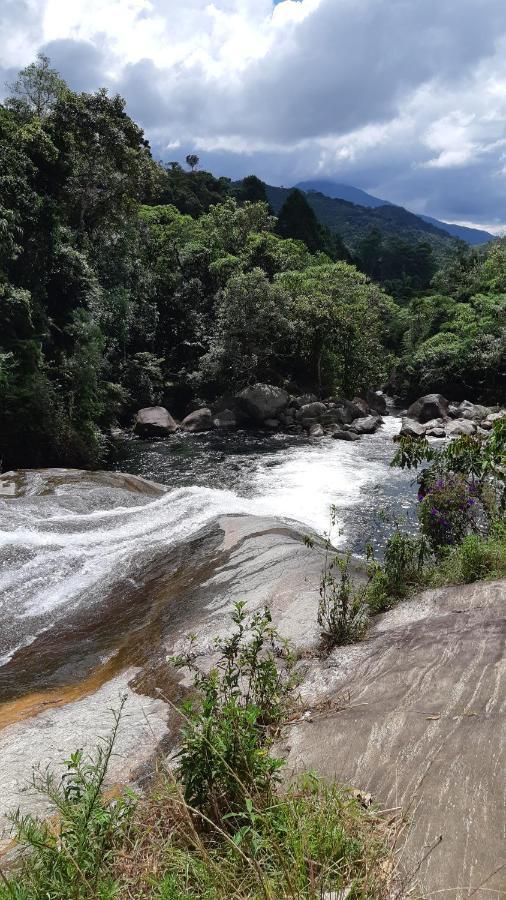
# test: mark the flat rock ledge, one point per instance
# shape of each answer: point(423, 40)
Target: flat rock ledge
point(420, 722)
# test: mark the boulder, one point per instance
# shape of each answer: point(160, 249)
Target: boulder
point(362, 404)
point(473, 411)
point(434, 423)
point(200, 420)
point(225, 419)
point(311, 411)
point(457, 427)
point(340, 435)
point(367, 424)
point(377, 401)
point(262, 401)
point(303, 400)
point(334, 415)
point(351, 410)
point(438, 432)
point(316, 430)
point(410, 428)
point(432, 406)
point(154, 421)
point(494, 417)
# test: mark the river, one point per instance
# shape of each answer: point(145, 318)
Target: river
point(68, 547)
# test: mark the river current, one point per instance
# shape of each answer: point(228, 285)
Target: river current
point(64, 550)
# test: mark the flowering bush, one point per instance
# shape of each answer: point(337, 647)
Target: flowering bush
point(446, 510)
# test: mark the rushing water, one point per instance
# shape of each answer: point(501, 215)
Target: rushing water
point(286, 477)
point(65, 549)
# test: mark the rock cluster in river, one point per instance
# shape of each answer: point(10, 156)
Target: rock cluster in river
point(267, 406)
point(434, 416)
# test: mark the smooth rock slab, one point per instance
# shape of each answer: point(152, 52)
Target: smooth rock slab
point(424, 727)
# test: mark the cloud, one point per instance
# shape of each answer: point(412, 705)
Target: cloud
point(403, 98)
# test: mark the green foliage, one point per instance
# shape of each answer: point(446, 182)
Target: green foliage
point(224, 757)
point(342, 610)
point(446, 511)
point(474, 559)
point(342, 318)
point(68, 858)
point(406, 565)
point(310, 841)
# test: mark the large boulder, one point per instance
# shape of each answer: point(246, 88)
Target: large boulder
point(458, 427)
point(352, 410)
point(432, 406)
point(315, 430)
point(473, 411)
point(154, 421)
point(340, 435)
point(200, 420)
point(311, 411)
point(367, 424)
point(362, 404)
point(410, 428)
point(262, 401)
point(377, 402)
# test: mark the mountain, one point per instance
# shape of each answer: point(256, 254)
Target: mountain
point(337, 190)
point(473, 236)
point(354, 222)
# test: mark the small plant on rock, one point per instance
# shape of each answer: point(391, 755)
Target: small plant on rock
point(342, 611)
point(224, 757)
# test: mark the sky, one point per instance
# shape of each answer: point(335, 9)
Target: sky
point(403, 98)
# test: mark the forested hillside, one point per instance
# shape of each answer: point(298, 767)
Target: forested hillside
point(124, 282)
point(353, 222)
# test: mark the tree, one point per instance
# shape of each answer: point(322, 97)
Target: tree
point(36, 89)
point(252, 189)
point(192, 161)
point(297, 220)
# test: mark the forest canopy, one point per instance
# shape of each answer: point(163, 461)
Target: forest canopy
point(126, 282)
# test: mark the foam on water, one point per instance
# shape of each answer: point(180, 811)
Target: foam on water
point(71, 545)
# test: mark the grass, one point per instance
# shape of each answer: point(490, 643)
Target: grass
point(302, 843)
point(220, 825)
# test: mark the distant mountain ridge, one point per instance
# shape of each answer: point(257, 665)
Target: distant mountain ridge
point(354, 222)
point(338, 191)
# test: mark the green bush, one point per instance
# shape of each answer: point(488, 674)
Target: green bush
point(446, 511)
point(342, 611)
point(228, 730)
point(405, 566)
point(476, 558)
point(68, 859)
point(307, 842)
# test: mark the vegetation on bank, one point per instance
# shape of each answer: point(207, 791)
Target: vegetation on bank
point(461, 537)
point(219, 825)
point(126, 283)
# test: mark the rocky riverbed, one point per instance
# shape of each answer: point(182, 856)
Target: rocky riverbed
point(103, 575)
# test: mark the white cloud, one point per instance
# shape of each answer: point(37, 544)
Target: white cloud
point(405, 98)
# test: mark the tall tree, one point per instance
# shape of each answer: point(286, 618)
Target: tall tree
point(36, 89)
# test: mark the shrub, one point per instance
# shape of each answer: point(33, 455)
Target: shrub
point(69, 858)
point(311, 841)
point(404, 568)
point(342, 611)
point(228, 730)
point(475, 558)
point(446, 510)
